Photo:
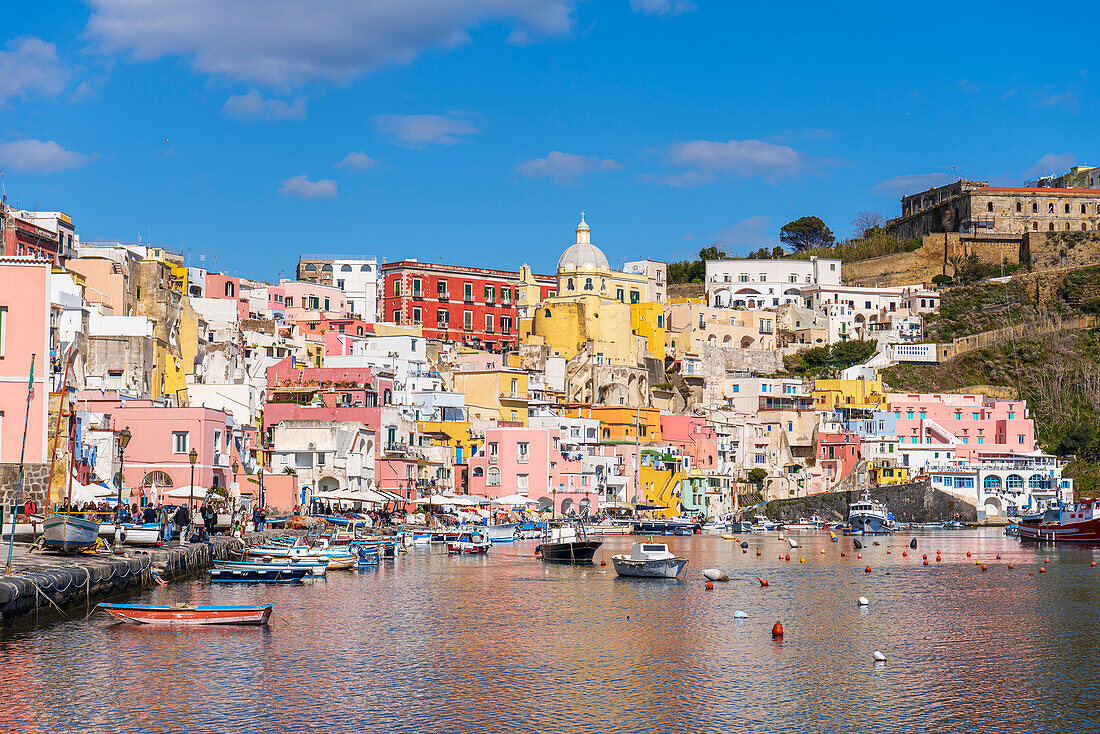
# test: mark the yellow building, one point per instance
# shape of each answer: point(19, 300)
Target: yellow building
point(660, 478)
point(498, 394)
point(620, 424)
point(883, 474)
point(837, 394)
point(453, 434)
point(583, 269)
point(647, 320)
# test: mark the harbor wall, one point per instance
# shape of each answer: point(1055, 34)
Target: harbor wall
point(916, 502)
point(44, 586)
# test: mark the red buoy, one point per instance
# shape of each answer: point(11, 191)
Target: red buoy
point(744, 550)
point(998, 556)
point(984, 568)
point(904, 554)
point(926, 561)
point(887, 552)
point(1011, 566)
point(968, 554)
point(867, 570)
point(763, 582)
point(603, 563)
point(842, 553)
point(1042, 569)
point(926, 555)
point(1046, 560)
point(787, 557)
point(859, 555)
point(710, 586)
point(777, 629)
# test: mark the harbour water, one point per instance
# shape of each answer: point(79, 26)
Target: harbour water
point(505, 643)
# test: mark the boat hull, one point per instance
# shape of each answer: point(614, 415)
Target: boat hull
point(70, 534)
point(318, 569)
point(464, 548)
point(271, 575)
point(162, 614)
point(665, 568)
point(581, 551)
point(1087, 531)
point(504, 533)
point(868, 524)
point(141, 534)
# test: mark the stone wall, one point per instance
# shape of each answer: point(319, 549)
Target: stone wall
point(917, 502)
point(35, 480)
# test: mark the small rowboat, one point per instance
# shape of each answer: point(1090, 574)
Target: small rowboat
point(273, 575)
point(180, 615)
point(314, 567)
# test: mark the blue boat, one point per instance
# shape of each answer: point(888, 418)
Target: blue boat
point(314, 566)
point(277, 575)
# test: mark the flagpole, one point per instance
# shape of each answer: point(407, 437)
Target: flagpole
point(22, 453)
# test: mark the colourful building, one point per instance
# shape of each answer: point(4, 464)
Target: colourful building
point(647, 320)
point(832, 395)
point(660, 478)
point(971, 426)
point(497, 394)
point(619, 423)
point(24, 331)
point(838, 454)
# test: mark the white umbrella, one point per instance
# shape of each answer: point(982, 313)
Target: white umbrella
point(340, 495)
point(514, 499)
point(186, 492)
point(437, 499)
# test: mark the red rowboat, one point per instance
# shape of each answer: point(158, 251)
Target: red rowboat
point(179, 615)
point(1078, 524)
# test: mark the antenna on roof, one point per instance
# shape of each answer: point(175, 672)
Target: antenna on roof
point(3, 189)
point(953, 166)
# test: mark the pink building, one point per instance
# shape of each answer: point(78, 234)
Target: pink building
point(161, 440)
point(24, 331)
point(530, 461)
point(694, 437)
point(219, 285)
point(971, 426)
point(837, 455)
point(312, 301)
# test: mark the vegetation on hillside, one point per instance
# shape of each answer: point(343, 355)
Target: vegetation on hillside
point(806, 233)
point(828, 359)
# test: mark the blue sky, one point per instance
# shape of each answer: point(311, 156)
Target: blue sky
point(474, 131)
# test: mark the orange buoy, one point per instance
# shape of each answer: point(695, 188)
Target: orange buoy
point(867, 570)
point(1046, 560)
point(603, 563)
point(984, 568)
point(802, 560)
point(904, 554)
point(777, 629)
point(859, 555)
point(1094, 564)
point(887, 552)
point(745, 550)
point(757, 551)
point(926, 561)
point(1011, 566)
point(710, 586)
point(926, 555)
point(968, 554)
point(787, 557)
point(1042, 569)
point(763, 582)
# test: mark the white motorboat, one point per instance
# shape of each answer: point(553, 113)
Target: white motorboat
point(761, 524)
point(650, 561)
point(869, 516)
point(145, 534)
point(503, 533)
point(814, 523)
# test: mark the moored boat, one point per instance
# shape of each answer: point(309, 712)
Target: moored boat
point(268, 575)
point(503, 533)
point(70, 533)
point(568, 544)
point(868, 516)
point(649, 560)
point(469, 543)
point(1078, 523)
point(144, 534)
point(317, 567)
point(164, 614)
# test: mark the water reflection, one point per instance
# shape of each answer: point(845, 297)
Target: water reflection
point(505, 643)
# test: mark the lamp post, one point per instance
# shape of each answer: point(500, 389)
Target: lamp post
point(193, 456)
point(260, 471)
point(233, 505)
point(123, 440)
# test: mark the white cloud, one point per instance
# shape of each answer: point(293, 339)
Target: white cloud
point(1051, 163)
point(1066, 100)
point(705, 161)
point(419, 131)
point(661, 7)
point(40, 156)
point(967, 86)
point(911, 183)
point(300, 187)
point(565, 168)
point(253, 106)
point(280, 43)
point(30, 68)
point(751, 233)
point(357, 161)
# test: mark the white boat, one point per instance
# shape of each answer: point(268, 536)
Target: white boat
point(814, 523)
point(761, 524)
point(869, 516)
point(145, 534)
point(650, 561)
point(27, 530)
point(70, 533)
point(503, 533)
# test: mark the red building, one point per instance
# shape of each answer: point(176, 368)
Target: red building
point(21, 237)
point(473, 306)
point(838, 454)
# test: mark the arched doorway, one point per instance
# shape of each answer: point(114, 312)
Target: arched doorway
point(546, 504)
point(328, 484)
point(566, 505)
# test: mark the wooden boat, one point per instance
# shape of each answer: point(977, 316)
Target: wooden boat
point(144, 534)
point(1079, 523)
point(316, 567)
point(181, 615)
point(70, 533)
point(650, 561)
point(469, 544)
point(270, 575)
point(568, 544)
point(503, 533)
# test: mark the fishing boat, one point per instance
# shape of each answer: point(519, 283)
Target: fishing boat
point(70, 533)
point(761, 524)
point(27, 529)
point(567, 544)
point(649, 561)
point(1078, 523)
point(814, 523)
point(181, 615)
point(469, 543)
point(316, 567)
point(503, 533)
point(531, 530)
point(270, 575)
point(869, 516)
point(668, 526)
point(143, 534)
point(611, 526)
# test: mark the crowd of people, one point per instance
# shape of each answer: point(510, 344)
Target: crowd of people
point(177, 522)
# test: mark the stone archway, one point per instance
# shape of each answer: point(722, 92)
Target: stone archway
point(992, 506)
point(566, 505)
point(328, 484)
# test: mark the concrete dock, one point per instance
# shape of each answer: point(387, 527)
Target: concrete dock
point(45, 585)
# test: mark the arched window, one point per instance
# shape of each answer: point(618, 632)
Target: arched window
point(494, 477)
point(229, 290)
point(588, 284)
point(546, 313)
point(478, 471)
point(365, 269)
point(311, 268)
point(345, 268)
point(569, 285)
point(993, 482)
point(158, 478)
point(359, 331)
point(1036, 481)
point(326, 268)
point(1014, 481)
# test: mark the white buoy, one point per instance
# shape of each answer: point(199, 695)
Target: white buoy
point(863, 601)
point(740, 615)
point(879, 657)
point(715, 574)
point(793, 542)
point(781, 536)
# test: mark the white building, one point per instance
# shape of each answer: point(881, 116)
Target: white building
point(358, 279)
point(751, 394)
point(1005, 486)
point(326, 455)
point(657, 274)
point(873, 312)
point(757, 284)
point(404, 356)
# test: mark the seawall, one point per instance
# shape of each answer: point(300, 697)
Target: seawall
point(917, 502)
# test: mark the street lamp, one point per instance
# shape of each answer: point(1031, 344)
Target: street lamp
point(261, 473)
point(233, 503)
point(193, 456)
point(123, 440)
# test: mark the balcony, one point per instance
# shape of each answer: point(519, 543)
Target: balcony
point(514, 396)
point(444, 296)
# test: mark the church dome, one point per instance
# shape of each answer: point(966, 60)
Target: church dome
point(583, 255)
